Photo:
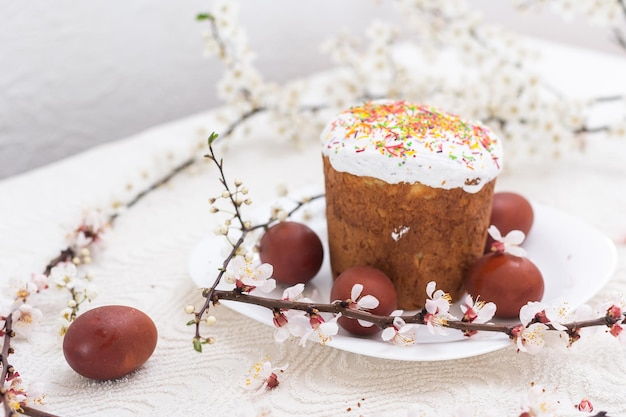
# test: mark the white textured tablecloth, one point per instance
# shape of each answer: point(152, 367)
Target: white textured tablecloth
point(144, 264)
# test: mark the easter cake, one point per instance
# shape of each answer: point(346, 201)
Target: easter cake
point(409, 190)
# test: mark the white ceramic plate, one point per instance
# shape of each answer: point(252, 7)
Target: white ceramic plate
point(575, 259)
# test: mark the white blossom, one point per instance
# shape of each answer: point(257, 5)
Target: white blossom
point(252, 278)
point(305, 326)
point(477, 312)
point(400, 332)
point(437, 308)
point(263, 376)
point(530, 339)
point(64, 274)
point(25, 317)
point(365, 302)
point(40, 281)
point(509, 243)
point(538, 403)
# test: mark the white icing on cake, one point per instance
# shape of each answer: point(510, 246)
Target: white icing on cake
point(397, 141)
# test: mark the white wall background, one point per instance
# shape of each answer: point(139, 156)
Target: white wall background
point(74, 74)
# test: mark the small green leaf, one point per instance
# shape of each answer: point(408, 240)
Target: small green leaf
point(192, 322)
point(197, 345)
point(204, 16)
point(212, 138)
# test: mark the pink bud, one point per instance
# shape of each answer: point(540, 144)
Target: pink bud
point(243, 287)
point(280, 319)
point(470, 315)
point(272, 381)
point(585, 405)
point(315, 320)
point(616, 329)
point(614, 312)
point(542, 317)
point(498, 247)
point(517, 330)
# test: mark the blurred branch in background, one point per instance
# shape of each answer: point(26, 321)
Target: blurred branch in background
point(442, 53)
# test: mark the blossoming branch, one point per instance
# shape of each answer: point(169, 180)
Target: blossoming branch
point(421, 63)
point(296, 316)
point(65, 271)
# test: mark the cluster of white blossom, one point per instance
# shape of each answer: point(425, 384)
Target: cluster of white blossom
point(19, 314)
point(605, 14)
point(539, 321)
point(598, 12)
point(445, 54)
point(17, 396)
point(239, 86)
point(63, 274)
point(81, 288)
point(456, 61)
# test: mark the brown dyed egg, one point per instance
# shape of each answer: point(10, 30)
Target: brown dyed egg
point(109, 342)
point(375, 283)
point(508, 281)
point(294, 250)
point(510, 211)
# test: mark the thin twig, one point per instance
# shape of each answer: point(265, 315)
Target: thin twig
point(33, 412)
point(247, 115)
point(69, 253)
point(380, 321)
point(619, 37)
point(6, 351)
point(66, 255)
point(605, 99)
point(210, 292)
point(179, 168)
point(6, 368)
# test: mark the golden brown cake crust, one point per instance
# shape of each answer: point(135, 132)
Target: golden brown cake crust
point(412, 232)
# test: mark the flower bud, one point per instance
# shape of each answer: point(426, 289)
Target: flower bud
point(585, 406)
point(614, 312)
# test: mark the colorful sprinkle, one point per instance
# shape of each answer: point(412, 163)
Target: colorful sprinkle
point(398, 126)
point(398, 141)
